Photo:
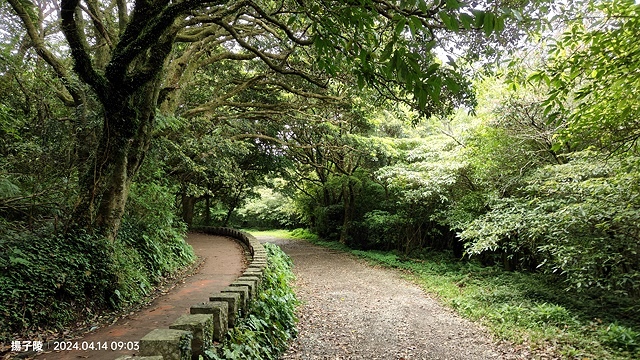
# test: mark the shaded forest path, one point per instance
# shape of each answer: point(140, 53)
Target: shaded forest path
point(351, 310)
point(223, 261)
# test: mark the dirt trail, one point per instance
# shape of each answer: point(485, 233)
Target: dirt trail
point(223, 263)
point(355, 311)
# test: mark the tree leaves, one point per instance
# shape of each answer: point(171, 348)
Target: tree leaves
point(592, 73)
point(398, 60)
point(577, 216)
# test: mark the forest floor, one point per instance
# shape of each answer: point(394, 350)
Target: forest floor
point(222, 261)
point(351, 310)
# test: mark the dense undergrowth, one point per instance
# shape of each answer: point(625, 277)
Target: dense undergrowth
point(265, 333)
point(527, 309)
point(51, 280)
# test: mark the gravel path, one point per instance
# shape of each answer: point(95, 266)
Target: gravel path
point(352, 310)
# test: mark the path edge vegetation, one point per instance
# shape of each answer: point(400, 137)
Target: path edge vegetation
point(271, 324)
point(84, 278)
point(528, 310)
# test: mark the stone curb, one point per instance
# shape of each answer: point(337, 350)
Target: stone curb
point(250, 284)
point(220, 311)
point(243, 292)
point(169, 343)
point(233, 301)
point(201, 327)
point(253, 278)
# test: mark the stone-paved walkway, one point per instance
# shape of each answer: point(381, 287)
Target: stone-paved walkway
point(223, 263)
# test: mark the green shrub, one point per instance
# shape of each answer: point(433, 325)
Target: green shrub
point(620, 337)
point(265, 333)
point(271, 210)
point(580, 219)
point(301, 233)
point(383, 229)
point(49, 280)
point(150, 242)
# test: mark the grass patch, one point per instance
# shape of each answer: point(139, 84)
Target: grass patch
point(527, 309)
point(297, 234)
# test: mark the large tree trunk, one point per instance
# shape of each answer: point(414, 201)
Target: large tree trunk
point(188, 208)
point(124, 141)
point(348, 199)
point(207, 215)
point(115, 194)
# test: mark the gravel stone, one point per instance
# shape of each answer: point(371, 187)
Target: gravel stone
point(351, 310)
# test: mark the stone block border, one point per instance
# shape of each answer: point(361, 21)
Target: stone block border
point(209, 320)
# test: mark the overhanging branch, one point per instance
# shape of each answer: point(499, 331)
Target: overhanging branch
point(265, 58)
point(79, 49)
point(43, 52)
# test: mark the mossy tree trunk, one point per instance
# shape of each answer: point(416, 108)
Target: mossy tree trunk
point(128, 90)
point(124, 140)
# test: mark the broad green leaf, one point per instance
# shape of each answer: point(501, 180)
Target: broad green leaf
point(430, 45)
point(452, 85)
point(361, 81)
point(432, 69)
point(422, 5)
point(449, 22)
point(466, 20)
point(479, 16)
point(489, 22)
point(415, 25)
point(453, 4)
point(400, 26)
point(499, 24)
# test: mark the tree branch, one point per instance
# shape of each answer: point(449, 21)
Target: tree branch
point(123, 16)
point(92, 11)
point(78, 47)
point(43, 52)
point(265, 58)
point(210, 106)
point(280, 25)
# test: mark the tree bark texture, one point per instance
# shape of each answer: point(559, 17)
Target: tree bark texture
point(348, 199)
point(188, 208)
point(124, 140)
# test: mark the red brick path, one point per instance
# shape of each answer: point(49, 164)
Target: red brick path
point(223, 263)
